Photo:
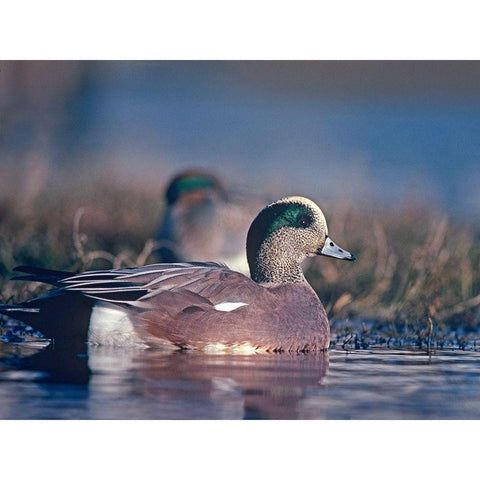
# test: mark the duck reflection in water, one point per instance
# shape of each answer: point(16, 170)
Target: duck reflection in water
point(242, 386)
point(154, 384)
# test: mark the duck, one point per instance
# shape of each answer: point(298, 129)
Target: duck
point(203, 221)
point(198, 305)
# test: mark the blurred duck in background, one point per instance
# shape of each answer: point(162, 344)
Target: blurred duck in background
point(204, 222)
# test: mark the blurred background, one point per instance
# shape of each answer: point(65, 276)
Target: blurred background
point(366, 131)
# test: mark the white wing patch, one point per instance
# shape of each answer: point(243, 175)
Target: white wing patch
point(228, 306)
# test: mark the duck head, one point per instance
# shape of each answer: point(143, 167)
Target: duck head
point(193, 186)
point(282, 235)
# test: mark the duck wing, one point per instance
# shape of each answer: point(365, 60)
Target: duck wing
point(138, 287)
point(162, 294)
point(184, 304)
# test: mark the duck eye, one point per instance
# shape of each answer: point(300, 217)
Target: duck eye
point(304, 221)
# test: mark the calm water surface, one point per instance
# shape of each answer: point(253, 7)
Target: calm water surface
point(126, 384)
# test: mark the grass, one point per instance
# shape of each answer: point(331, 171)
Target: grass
point(416, 280)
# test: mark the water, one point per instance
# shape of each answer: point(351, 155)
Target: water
point(128, 384)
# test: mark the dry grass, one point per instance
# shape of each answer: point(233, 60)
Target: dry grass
point(417, 273)
point(417, 276)
point(95, 226)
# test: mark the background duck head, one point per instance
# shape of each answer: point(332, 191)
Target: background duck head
point(194, 187)
point(202, 222)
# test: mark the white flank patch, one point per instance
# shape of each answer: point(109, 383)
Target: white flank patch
point(238, 264)
point(229, 306)
point(111, 326)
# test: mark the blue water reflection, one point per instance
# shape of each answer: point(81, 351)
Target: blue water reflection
point(129, 384)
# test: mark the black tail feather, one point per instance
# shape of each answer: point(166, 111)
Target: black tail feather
point(43, 275)
point(4, 308)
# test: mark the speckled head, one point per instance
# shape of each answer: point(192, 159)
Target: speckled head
point(282, 235)
point(192, 182)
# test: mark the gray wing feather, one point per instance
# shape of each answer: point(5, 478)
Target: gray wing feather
point(137, 286)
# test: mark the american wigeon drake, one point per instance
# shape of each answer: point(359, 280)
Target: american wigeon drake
point(198, 305)
point(204, 222)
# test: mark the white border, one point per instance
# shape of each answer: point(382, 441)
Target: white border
point(236, 449)
point(214, 29)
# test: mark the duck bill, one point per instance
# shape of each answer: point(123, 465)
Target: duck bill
point(331, 249)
